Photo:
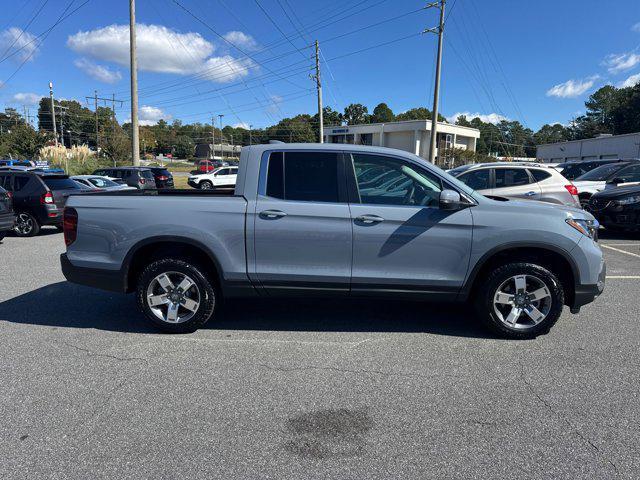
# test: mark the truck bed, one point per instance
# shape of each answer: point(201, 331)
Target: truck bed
point(181, 192)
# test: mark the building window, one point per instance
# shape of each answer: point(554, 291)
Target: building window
point(366, 139)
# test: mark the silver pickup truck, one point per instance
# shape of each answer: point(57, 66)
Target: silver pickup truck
point(311, 219)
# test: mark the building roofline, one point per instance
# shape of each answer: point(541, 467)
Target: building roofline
point(589, 139)
point(426, 121)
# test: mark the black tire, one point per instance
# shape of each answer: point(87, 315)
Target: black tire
point(26, 225)
point(59, 228)
point(205, 185)
point(584, 201)
point(484, 301)
point(207, 289)
point(3, 234)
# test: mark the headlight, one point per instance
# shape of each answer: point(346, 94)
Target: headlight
point(628, 200)
point(586, 227)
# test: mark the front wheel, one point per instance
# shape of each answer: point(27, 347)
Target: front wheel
point(26, 225)
point(520, 300)
point(206, 185)
point(176, 295)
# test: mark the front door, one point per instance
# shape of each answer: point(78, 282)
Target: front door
point(402, 240)
point(302, 229)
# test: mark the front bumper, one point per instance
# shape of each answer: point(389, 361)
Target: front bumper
point(112, 280)
point(587, 293)
point(192, 184)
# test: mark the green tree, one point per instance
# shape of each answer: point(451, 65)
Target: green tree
point(356, 113)
point(419, 113)
point(183, 147)
point(23, 141)
point(551, 134)
point(116, 146)
point(382, 114)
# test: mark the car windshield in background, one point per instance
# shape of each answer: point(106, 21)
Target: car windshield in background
point(601, 173)
point(103, 182)
point(57, 183)
point(148, 174)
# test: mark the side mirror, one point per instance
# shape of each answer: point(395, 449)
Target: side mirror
point(451, 200)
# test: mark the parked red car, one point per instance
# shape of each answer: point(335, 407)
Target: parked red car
point(205, 166)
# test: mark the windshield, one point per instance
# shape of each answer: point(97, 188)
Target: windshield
point(103, 182)
point(601, 173)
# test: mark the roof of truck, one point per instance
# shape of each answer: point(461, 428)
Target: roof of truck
point(326, 146)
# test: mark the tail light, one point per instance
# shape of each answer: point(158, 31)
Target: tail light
point(142, 181)
point(46, 198)
point(162, 178)
point(70, 225)
point(10, 195)
point(572, 189)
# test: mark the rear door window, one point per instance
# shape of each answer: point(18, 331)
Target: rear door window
point(629, 174)
point(303, 176)
point(511, 177)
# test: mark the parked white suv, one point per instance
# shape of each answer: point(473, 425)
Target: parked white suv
point(220, 177)
point(530, 181)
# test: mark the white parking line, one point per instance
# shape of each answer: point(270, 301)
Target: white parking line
point(623, 277)
point(622, 244)
point(621, 251)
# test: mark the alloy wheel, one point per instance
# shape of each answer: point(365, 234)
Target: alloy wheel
point(522, 301)
point(24, 224)
point(173, 297)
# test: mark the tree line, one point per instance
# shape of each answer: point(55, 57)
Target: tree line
point(608, 110)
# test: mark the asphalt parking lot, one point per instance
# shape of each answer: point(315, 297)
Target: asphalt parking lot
point(311, 389)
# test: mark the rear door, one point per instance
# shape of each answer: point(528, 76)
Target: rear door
point(302, 226)
point(515, 183)
point(402, 241)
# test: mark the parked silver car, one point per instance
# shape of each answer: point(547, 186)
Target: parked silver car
point(531, 181)
point(98, 182)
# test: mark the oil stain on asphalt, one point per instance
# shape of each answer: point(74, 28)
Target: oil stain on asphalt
point(328, 433)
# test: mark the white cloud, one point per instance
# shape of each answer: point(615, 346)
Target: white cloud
point(150, 115)
point(22, 45)
point(486, 118)
point(244, 125)
point(571, 88)
point(241, 39)
point(160, 49)
point(630, 82)
point(619, 62)
point(636, 27)
point(98, 72)
point(26, 98)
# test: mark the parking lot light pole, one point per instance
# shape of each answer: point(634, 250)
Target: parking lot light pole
point(221, 137)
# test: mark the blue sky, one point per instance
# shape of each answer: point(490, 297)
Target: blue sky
point(530, 61)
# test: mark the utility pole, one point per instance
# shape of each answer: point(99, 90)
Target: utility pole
point(213, 137)
point(436, 91)
point(135, 142)
point(53, 113)
point(113, 101)
point(319, 89)
point(221, 137)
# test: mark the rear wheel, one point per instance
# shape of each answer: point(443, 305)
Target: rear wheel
point(584, 201)
point(206, 185)
point(26, 225)
point(520, 300)
point(176, 295)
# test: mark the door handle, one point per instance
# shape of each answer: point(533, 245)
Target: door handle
point(369, 219)
point(272, 214)
point(530, 194)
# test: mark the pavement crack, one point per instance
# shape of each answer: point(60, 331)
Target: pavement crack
point(91, 353)
point(563, 419)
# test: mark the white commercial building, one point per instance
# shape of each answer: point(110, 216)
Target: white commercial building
point(411, 136)
point(600, 147)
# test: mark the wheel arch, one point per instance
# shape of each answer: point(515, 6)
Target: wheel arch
point(551, 257)
point(156, 247)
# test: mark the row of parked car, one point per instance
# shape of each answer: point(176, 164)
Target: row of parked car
point(609, 189)
point(31, 198)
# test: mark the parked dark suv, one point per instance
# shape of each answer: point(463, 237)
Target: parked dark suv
point(38, 198)
point(6, 213)
point(162, 176)
point(576, 168)
point(139, 177)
